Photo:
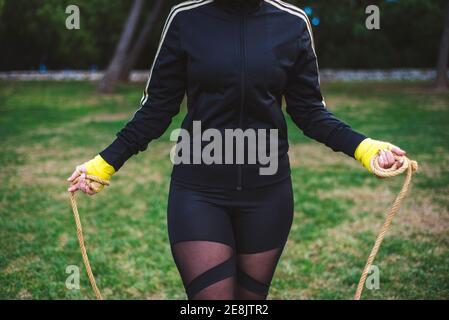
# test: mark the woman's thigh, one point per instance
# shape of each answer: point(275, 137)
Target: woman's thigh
point(202, 241)
point(196, 213)
point(262, 217)
point(261, 223)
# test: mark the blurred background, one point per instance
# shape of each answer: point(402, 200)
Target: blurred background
point(33, 34)
point(65, 93)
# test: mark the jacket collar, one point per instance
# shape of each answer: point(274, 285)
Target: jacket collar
point(239, 6)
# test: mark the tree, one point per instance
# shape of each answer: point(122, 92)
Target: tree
point(443, 54)
point(112, 75)
point(142, 40)
point(341, 37)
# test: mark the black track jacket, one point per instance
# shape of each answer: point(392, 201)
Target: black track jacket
point(235, 61)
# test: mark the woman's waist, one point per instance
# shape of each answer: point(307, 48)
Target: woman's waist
point(233, 175)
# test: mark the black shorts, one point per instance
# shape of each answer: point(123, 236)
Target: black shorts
point(250, 221)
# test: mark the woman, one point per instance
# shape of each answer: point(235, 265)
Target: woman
point(227, 222)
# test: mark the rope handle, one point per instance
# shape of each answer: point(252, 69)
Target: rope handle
point(393, 171)
point(408, 165)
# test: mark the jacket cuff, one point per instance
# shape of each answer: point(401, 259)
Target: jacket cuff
point(116, 154)
point(353, 142)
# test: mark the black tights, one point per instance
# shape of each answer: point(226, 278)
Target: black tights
point(212, 271)
point(227, 243)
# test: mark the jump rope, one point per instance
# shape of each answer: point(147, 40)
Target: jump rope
point(409, 166)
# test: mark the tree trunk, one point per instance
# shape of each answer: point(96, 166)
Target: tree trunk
point(443, 55)
point(111, 76)
point(142, 40)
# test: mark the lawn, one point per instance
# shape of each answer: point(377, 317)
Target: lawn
point(47, 128)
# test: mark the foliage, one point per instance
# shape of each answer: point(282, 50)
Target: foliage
point(32, 32)
point(409, 35)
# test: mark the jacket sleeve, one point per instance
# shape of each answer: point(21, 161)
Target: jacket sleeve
point(161, 100)
point(306, 105)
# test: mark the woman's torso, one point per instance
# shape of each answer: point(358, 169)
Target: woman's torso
point(238, 61)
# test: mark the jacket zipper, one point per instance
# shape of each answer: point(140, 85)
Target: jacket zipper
point(242, 93)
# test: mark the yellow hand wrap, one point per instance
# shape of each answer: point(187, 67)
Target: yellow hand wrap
point(368, 148)
point(100, 168)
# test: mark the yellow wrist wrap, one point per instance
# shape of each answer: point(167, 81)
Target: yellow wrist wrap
point(100, 168)
point(368, 148)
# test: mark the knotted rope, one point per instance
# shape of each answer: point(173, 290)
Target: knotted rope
point(79, 229)
point(408, 165)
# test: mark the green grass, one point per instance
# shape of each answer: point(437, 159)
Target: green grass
point(47, 128)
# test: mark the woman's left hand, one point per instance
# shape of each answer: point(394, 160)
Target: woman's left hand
point(369, 148)
point(387, 159)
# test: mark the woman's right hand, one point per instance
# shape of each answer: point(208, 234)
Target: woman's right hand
point(97, 167)
point(369, 148)
point(81, 183)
